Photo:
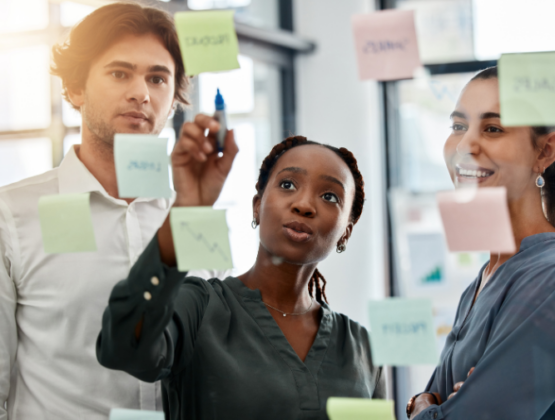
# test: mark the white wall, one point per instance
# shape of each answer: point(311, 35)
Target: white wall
point(335, 107)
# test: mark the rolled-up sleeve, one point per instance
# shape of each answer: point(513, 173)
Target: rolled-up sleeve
point(150, 294)
point(514, 379)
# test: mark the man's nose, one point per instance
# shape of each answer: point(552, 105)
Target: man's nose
point(138, 91)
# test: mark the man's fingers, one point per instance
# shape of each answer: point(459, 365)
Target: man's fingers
point(193, 132)
point(230, 151)
point(207, 122)
point(186, 146)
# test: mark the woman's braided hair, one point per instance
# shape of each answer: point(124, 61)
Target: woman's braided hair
point(358, 203)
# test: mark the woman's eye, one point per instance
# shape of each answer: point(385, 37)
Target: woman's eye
point(287, 185)
point(157, 80)
point(118, 74)
point(332, 198)
point(493, 130)
point(458, 127)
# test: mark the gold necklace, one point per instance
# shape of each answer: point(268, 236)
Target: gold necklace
point(292, 313)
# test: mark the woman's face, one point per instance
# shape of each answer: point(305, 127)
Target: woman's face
point(481, 151)
point(305, 208)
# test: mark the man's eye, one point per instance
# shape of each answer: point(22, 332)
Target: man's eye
point(157, 80)
point(332, 198)
point(118, 74)
point(287, 185)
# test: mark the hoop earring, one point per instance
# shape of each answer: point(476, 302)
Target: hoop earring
point(254, 223)
point(341, 248)
point(540, 182)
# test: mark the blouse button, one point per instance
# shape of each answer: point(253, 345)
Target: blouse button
point(435, 415)
point(155, 281)
point(147, 296)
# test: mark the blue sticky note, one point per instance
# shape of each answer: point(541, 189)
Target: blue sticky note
point(402, 332)
point(125, 414)
point(142, 166)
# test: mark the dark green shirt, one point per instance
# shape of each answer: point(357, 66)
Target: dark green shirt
point(221, 355)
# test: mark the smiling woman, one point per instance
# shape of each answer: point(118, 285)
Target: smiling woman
point(264, 344)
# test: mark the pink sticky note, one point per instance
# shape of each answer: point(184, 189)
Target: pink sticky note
point(386, 45)
point(477, 220)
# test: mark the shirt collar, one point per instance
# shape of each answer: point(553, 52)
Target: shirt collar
point(532, 240)
point(75, 178)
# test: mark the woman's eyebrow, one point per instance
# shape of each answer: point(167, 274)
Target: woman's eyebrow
point(487, 115)
point(294, 169)
point(458, 114)
point(332, 179)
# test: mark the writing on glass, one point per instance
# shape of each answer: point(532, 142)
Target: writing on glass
point(144, 166)
point(404, 328)
point(532, 84)
point(199, 237)
point(207, 40)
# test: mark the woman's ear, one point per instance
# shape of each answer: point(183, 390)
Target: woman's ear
point(256, 201)
point(347, 234)
point(547, 155)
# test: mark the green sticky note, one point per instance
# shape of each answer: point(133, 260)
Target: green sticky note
point(359, 409)
point(201, 238)
point(402, 332)
point(208, 41)
point(125, 414)
point(527, 89)
point(142, 166)
point(66, 223)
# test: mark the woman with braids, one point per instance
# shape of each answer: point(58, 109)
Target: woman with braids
point(265, 344)
point(499, 359)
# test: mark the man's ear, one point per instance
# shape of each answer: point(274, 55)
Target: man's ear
point(256, 201)
point(76, 97)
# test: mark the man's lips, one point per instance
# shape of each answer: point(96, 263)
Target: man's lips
point(135, 117)
point(297, 231)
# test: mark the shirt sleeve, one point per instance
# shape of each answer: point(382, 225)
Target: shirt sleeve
point(514, 377)
point(8, 302)
point(152, 292)
point(380, 390)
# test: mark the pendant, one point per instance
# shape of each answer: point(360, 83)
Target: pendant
point(284, 314)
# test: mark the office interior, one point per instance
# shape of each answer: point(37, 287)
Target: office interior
point(299, 75)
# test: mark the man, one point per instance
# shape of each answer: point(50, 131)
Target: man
point(122, 69)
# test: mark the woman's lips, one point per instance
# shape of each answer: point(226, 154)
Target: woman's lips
point(295, 235)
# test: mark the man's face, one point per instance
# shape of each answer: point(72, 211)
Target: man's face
point(129, 89)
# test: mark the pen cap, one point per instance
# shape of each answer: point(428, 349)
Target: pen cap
point(220, 104)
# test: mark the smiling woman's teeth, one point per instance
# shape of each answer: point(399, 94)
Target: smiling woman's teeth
point(473, 173)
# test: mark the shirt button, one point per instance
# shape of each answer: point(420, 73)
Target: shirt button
point(147, 296)
point(155, 281)
point(435, 415)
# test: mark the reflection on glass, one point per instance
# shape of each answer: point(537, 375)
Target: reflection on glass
point(262, 13)
point(24, 89)
point(21, 16)
point(22, 158)
point(71, 12)
point(216, 4)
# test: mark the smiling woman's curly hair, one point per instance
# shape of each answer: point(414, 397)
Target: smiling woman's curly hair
point(317, 281)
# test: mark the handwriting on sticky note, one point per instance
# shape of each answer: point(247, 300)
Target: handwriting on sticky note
point(208, 41)
point(142, 166)
point(359, 409)
point(66, 223)
point(476, 220)
point(402, 332)
point(125, 414)
point(201, 238)
point(527, 89)
point(386, 45)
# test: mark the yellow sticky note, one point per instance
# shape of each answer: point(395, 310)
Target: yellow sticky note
point(359, 409)
point(201, 238)
point(208, 41)
point(66, 223)
point(527, 89)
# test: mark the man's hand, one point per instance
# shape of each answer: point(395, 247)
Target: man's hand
point(458, 385)
point(198, 173)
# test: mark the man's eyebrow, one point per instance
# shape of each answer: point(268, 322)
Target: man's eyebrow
point(121, 64)
point(333, 179)
point(487, 115)
point(457, 114)
point(159, 68)
point(294, 169)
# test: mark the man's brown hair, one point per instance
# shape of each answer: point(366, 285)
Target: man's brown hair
point(90, 38)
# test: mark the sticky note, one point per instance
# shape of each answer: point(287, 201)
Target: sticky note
point(66, 223)
point(359, 409)
point(142, 166)
point(208, 41)
point(201, 238)
point(402, 332)
point(386, 45)
point(476, 219)
point(527, 89)
point(125, 414)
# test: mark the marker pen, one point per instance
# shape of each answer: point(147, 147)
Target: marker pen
point(220, 116)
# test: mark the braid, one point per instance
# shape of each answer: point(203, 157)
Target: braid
point(269, 162)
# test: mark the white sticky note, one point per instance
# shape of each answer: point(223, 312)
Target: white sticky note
point(125, 414)
point(477, 219)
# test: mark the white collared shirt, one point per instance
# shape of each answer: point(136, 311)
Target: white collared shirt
point(51, 305)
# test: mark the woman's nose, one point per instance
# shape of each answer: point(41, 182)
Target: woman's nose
point(469, 144)
point(304, 207)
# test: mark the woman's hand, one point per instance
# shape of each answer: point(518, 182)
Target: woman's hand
point(423, 401)
point(198, 173)
point(458, 385)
